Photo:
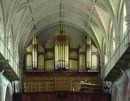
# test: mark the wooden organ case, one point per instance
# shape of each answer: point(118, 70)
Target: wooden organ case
point(59, 66)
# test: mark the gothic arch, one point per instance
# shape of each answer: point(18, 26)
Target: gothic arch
point(128, 92)
point(8, 95)
point(115, 93)
point(126, 89)
point(5, 89)
point(126, 84)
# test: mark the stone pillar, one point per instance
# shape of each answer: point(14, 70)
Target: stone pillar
point(102, 65)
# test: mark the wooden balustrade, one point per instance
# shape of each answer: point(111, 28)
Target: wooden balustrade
point(62, 83)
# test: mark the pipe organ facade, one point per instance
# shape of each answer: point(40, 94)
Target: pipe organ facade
point(59, 54)
point(61, 51)
point(61, 60)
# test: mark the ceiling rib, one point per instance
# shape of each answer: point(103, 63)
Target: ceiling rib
point(32, 15)
point(90, 17)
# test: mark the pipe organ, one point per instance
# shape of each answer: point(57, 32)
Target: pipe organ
point(46, 63)
point(58, 53)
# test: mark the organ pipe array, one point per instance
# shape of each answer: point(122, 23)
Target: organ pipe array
point(61, 50)
point(61, 54)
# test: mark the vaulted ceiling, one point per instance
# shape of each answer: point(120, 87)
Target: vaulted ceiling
point(24, 18)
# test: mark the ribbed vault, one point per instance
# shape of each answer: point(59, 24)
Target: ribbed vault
point(24, 18)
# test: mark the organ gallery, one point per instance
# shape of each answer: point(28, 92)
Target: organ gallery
point(68, 66)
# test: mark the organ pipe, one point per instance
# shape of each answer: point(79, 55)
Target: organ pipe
point(34, 52)
point(88, 55)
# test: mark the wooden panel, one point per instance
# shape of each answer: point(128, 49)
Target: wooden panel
point(58, 83)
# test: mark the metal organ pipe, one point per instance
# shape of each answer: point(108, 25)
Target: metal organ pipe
point(60, 56)
point(34, 52)
point(63, 56)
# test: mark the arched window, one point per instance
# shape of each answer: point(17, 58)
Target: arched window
point(9, 38)
point(125, 86)
point(106, 60)
point(113, 40)
point(1, 29)
point(8, 41)
point(115, 94)
point(0, 35)
point(124, 19)
point(8, 96)
point(107, 56)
